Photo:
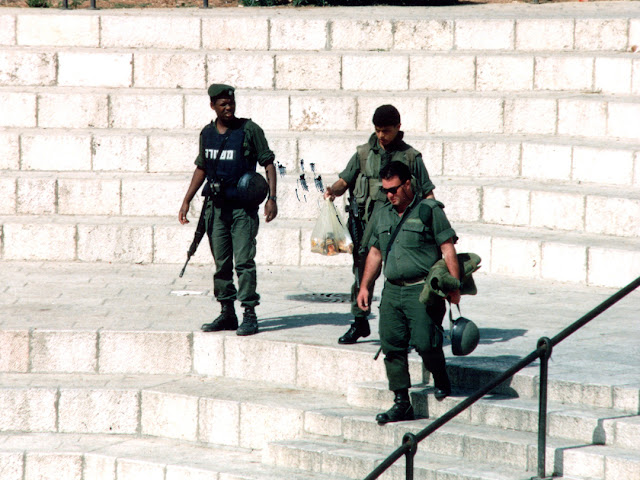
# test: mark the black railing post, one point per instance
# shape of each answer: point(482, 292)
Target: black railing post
point(205, 3)
point(65, 4)
point(410, 440)
point(546, 346)
point(93, 5)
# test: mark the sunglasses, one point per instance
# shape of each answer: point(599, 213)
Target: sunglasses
point(391, 190)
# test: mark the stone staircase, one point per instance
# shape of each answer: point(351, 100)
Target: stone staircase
point(525, 115)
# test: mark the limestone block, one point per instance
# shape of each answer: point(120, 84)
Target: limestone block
point(636, 169)
point(471, 34)
point(599, 396)
point(296, 202)
point(172, 153)
point(9, 150)
point(479, 244)
point(547, 34)
point(582, 118)
point(316, 113)
point(307, 72)
point(53, 466)
point(98, 411)
point(432, 154)
point(260, 360)
point(423, 35)
point(7, 30)
point(481, 159)
point(286, 151)
point(613, 75)
point(537, 116)
point(462, 202)
point(54, 351)
point(621, 120)
point(228, 33)
point(463, 115)
point(557, 210)
point(627, 434)
point(601, 34)
point(564, 262)
point(72, 110)
point(563, 73)
point(323, 423)
point(583, 463)
point(613, 216)
point(146, 111)
point(604, 166)
point(270, 112)
point(18, 109)
point(144, 352)
point(53, 242)
point(125, 153)
point(152, 197)
point(298, 34)
point(22, 68)
point(626, 399)
point(28, 410)
point(115, 243)
point(260, 424)
point(58, 30)
point(179, 472)
point(219, 422)
point(242, 70)
point(14, 351)
point(634, 32)
point(208, 354)
point(12, 464)
point(278, 246)
point(159, 415)
point(513, 419)
point(36, 195)
point(393, 72)
point(329, 154)
point(8, 195)
point(56, 152)
point(505, 206)
point(622, 467)
point(442, 72)
point(413, 114)
point(546, 161)
point(635, 77)
point(170, 243)
point(505, 73)
point(169, 70)
point(101, 467)
point(515, 256)
point(611, 267)
point(95, 69)
point(339, 369)
point(128, 469)
point(495, 451)
point(152, 31)
point(351, 34)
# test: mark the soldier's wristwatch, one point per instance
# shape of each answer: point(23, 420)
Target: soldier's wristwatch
point(273, 197)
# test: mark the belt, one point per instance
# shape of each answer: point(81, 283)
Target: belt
point(408, 282)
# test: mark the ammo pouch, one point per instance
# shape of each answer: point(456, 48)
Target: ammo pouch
point(361, 189)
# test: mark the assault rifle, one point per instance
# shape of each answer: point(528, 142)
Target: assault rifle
point(355, 230)
point(197, 237)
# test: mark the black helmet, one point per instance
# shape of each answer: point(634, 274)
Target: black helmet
point(464, 336)
point(252, 189)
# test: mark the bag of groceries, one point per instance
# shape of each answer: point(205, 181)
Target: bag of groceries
point(330, 236)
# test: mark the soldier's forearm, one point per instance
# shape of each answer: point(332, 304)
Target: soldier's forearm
point(270, 170)
point(197, 180)
point(372, 268)
point(339, 187)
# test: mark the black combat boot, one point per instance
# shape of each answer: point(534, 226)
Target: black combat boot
point(249, 323)
point(434, 362)
point(359, 328)
point(227, 320)
point(401, 410)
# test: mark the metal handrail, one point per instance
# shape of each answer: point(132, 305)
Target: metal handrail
point(543, 351)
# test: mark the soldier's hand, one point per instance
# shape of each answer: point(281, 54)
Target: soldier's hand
point(182, 214)
point(363, 299)
point(454, 297)
point(270, 210)
point(328, 193)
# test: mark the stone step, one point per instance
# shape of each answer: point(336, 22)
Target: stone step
point(611, 72)
point(128, 457)
point(551, 114)
point(580, 423)
point(601, 462)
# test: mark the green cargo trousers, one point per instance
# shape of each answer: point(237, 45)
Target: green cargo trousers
point(232, 236)
point(404, 322)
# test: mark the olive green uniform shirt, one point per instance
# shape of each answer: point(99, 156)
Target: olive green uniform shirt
point(417, 246)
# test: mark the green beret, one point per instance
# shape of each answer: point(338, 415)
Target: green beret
point(220, 90)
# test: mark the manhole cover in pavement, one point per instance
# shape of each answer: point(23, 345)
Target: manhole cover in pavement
point(321, 297)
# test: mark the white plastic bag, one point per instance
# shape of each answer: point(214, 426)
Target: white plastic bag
point(329, 235)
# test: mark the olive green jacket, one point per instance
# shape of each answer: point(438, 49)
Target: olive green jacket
point(440, 282)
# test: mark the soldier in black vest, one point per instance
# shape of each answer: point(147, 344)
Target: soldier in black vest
point(362, 178)
point(231, 147)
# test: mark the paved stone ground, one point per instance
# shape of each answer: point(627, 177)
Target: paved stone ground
point(511, 313)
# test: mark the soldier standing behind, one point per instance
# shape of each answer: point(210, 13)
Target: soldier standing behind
point(408, 235)
point(362, 178)
point(229, 148)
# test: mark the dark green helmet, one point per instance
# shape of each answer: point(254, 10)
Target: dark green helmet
point(464, 336)
point(252, 189)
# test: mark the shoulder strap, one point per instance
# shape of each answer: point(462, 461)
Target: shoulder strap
point(217, 159)
point(394, 234)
